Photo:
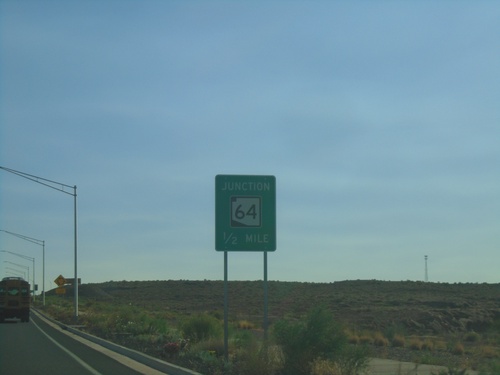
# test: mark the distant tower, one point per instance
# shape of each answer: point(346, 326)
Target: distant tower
point(426, 274)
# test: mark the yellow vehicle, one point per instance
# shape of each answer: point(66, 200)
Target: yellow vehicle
point(14, 299)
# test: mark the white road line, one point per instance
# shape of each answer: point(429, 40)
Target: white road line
point(76, 358)
point(120, 358)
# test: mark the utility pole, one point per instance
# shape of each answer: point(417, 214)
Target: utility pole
point(426, 274)
point(66, 189)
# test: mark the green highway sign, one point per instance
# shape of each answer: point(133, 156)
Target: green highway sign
point(245, 213)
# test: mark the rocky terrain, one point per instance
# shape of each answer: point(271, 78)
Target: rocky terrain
point(417, 307)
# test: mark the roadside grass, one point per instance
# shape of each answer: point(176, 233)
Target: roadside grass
point(398, 341)
point(184, 327)
point(379, 339)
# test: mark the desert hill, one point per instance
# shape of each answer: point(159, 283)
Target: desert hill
point(414, 307)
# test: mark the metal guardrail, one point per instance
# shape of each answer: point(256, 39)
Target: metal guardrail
point(157, 364)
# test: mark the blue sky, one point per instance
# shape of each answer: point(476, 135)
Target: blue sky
point(379, 119)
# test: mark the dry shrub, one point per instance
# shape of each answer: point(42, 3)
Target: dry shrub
point(352, 338)
point(398, 341)
point(213, 346)
point(201, 327)
point(380, 340)
point(472, 337)
point(275, 356)
point(316, 336)
point(245, 324)
point(440, 345)
point(324, 367)
point(365, 339)
point(458, 349)
point(428, 345)
point(254, 360)
point(352, 360)
point(489, 352)
point(415, 344)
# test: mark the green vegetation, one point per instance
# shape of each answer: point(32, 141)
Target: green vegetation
point(318, 336)
point(201, 327)
point(454, 325)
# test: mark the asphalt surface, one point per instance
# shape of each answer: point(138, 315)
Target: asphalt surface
point(41, 348)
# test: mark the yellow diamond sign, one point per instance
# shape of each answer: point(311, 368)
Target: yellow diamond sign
point(60, 280)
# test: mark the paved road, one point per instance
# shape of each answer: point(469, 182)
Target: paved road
point(39, 348)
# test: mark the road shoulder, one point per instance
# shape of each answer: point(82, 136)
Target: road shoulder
point(133, 359)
